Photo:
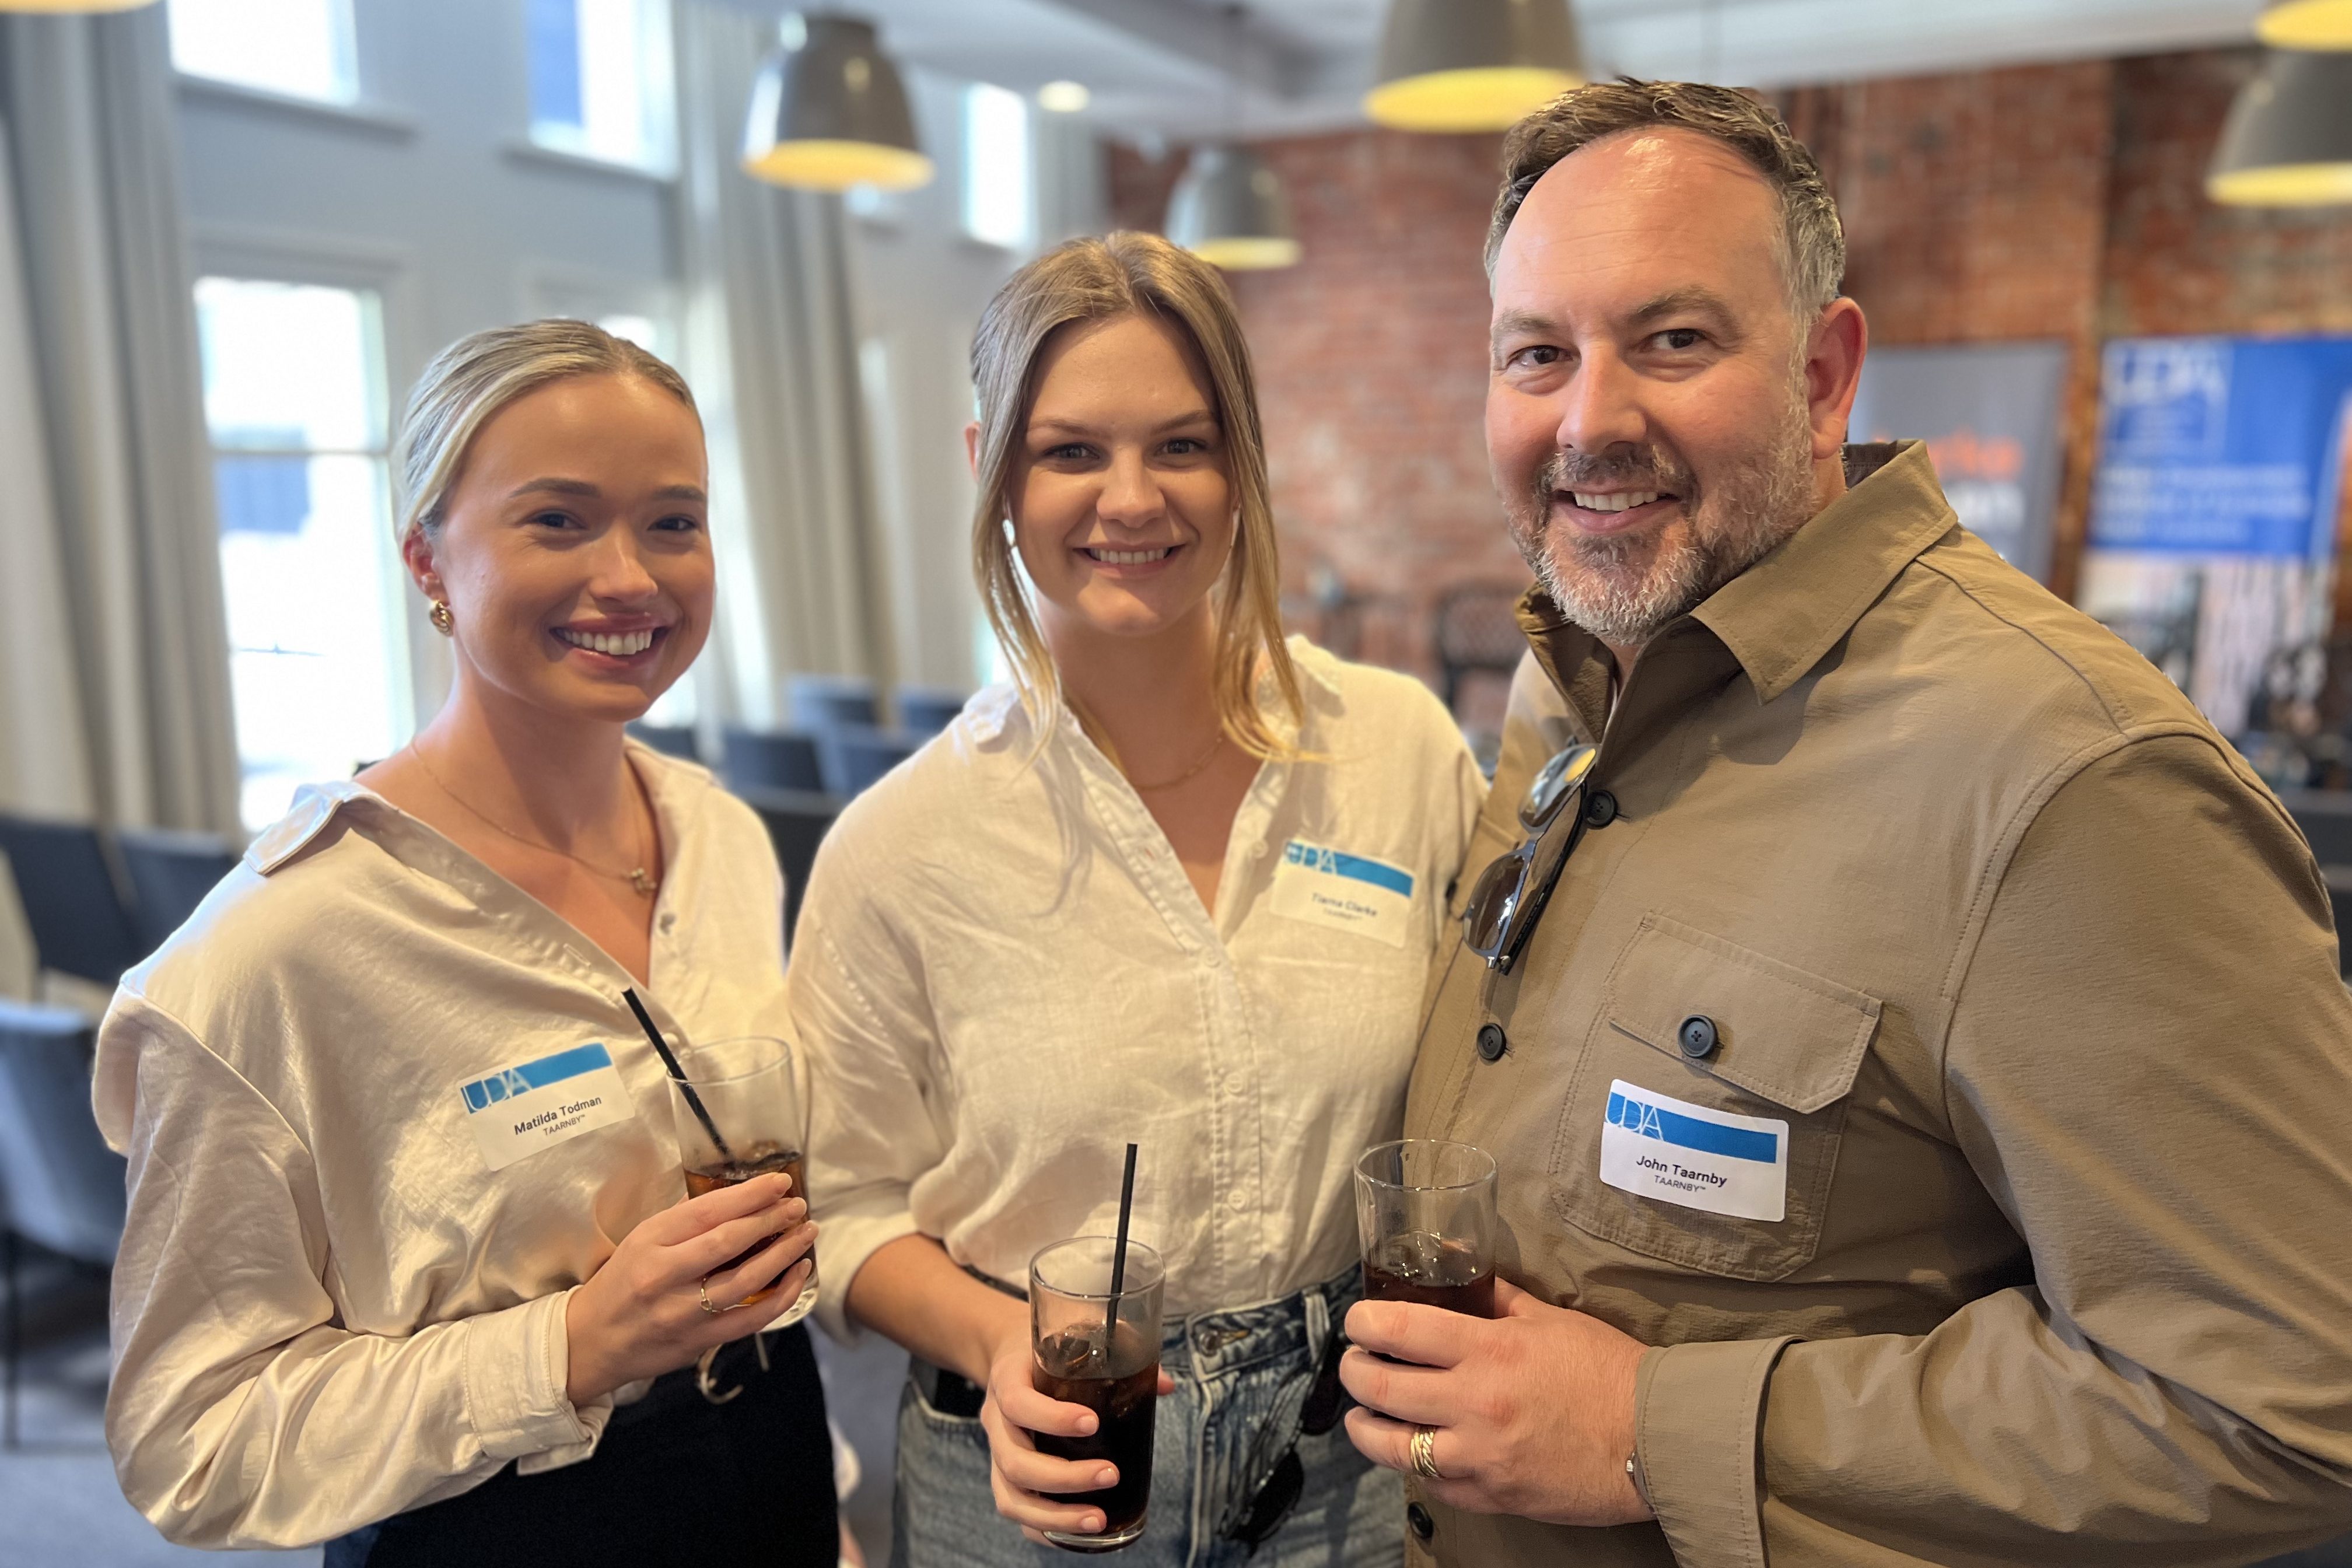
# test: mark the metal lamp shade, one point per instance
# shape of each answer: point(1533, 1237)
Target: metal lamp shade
point(2288, 139)
point(2307, 24)
point(1472, 65)
point(829, 112)
point(1230, 210)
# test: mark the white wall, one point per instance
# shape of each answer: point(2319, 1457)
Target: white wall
point(431, 192)
point(923, 284)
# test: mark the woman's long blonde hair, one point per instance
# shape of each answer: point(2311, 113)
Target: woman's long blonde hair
point(1131, 274)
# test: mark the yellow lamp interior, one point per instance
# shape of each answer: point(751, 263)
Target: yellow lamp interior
point(2286, 185)
point(1255, 254)
point(1490, 98)
point(2307, 24)
point(838, 165)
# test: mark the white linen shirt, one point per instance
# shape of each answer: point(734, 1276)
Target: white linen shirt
point(328, 1309)
point(1002, 975)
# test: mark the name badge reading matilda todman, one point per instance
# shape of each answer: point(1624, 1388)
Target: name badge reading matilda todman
point(519, 1110)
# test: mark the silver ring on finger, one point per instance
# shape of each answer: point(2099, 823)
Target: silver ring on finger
point(702, 1290)
point(1424, 1453)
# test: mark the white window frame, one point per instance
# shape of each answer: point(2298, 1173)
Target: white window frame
point(354, 100)
point(1024, 237)
point(660, 130)
point(390, 272)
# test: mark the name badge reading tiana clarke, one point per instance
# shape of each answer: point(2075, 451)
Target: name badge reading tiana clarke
point(519, 1110)
point(1345, 892)
point(1677, 1153)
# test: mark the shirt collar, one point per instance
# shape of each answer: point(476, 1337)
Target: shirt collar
point(994, 710)
point(673, 786)
point(1781, 616)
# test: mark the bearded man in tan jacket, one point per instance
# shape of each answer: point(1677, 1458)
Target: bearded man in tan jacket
point(1910, 1036)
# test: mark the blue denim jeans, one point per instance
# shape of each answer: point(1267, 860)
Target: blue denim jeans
point(1241, 1378)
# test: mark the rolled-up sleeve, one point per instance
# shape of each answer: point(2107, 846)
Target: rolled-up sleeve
point(869, 1042)
point(242, 1412)
point(2149, 1065)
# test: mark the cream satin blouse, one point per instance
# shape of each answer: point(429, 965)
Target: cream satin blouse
point(329, 1305)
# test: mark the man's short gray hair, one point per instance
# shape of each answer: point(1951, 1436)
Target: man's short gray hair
point(1812, 242)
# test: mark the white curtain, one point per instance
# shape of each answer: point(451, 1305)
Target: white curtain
point(772, 349)
point(114, 685)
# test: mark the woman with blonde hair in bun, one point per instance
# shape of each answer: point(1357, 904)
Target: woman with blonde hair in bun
point(1178, 883)
point(409, 1267)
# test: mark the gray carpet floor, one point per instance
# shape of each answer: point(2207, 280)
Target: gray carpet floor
point(60, 1508)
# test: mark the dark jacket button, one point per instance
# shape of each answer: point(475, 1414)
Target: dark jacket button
point(1600, 810)
point(1492, 1042)
point(1697, 1037)
point(1416, 1516)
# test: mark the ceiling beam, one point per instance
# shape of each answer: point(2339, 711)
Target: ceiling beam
point(1198, 36)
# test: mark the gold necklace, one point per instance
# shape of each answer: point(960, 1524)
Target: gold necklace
point(636, 876)
point(1216, 745)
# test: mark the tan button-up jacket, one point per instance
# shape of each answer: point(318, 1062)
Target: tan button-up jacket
point(2038, 982)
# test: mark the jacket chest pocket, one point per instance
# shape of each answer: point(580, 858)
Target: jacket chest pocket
point(1703, 1123)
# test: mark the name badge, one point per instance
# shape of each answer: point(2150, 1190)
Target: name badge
point(1677, 1153)
point(517, 1111)
point(1345, 892)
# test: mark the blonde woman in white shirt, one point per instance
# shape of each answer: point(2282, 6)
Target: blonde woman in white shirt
point(360, 1299)
point(1178, 884)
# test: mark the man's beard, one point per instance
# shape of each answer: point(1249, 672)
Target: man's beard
point(1622, 587)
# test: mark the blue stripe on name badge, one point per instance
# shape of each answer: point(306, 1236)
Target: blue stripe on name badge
point(1647, 1120)
point(1379, 873)
point(483, 1093)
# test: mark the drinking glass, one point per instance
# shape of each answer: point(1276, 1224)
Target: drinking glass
point(747, 1089)
point(1100, 1350)
point(1425, 1213)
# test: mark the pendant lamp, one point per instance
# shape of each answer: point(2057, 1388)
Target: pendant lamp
point(829, 112)
point(2307, 24)
point(1230, 210)
point(1472, 65)
point(2288, 139)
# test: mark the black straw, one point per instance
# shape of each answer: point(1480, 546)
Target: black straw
point(1118, 1255)
point(692, 1099)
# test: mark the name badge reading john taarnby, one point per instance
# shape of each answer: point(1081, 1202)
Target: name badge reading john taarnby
point(1657, 1147)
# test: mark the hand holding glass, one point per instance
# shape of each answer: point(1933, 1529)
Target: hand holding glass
point(747, 1092)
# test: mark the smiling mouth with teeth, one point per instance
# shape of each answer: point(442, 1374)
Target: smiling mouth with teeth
point(1128, 557)
point(622, 644)
point(1620, 500)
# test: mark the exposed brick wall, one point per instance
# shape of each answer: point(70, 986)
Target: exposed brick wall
point(1372, 363)
point(1975, 210)
point(2038, 201)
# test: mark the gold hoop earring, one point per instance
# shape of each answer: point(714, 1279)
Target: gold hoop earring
point(442, 621)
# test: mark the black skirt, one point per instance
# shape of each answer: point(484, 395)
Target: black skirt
point(677, 1478)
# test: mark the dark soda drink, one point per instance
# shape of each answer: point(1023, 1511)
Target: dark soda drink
point(1414, 1266)
point(759, 1159)
point(1120, 1384)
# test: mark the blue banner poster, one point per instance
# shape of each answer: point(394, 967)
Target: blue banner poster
point(1991, 414)
point(2214, 508)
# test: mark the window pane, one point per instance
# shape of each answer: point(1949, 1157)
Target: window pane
point(554, 46)
point(293, 396)
point(997, 166)
point(290, 365)
point(298, 47)
point(311, 636)
point(600, 78)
